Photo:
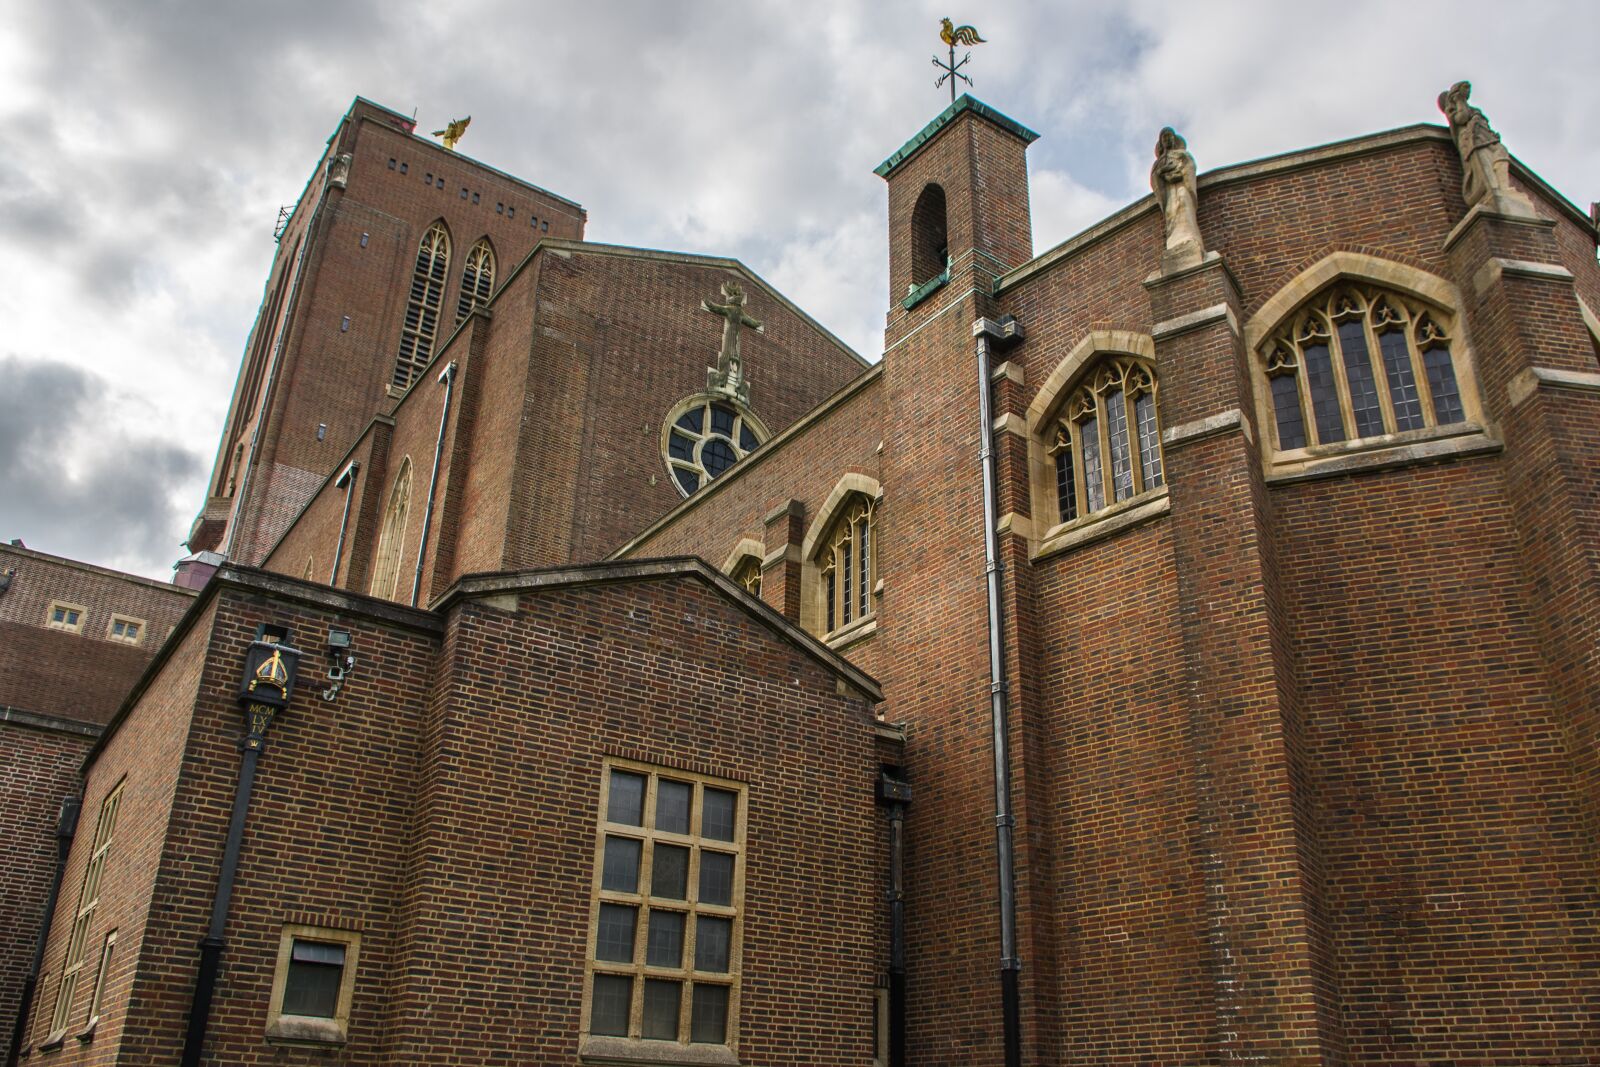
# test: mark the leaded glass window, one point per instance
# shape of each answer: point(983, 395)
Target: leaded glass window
point(1366, 362)
point(847, 564)
point(666, 921)
point(421, 326)
point(747, 575)
point(477, 280)
point(706, 437)
point(1106, 440)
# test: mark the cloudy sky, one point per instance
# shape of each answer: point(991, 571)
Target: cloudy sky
point(146, 146)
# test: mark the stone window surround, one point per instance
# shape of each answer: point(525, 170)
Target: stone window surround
point(311, 1031)
point(1386, 450)
point(65, 606)
point(813, 612)
point(748, 419)
point(747, 549)
point(126, 620)
point(612, 1049)
point(391, 536)
point(1097, 345)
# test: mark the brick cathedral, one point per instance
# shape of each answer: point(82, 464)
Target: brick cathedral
point(1178, 648)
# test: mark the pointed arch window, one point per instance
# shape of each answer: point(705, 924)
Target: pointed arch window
point(386, 568)
point(477, 280)
point(1360, 361)
point(747, 575)
point(847, 564)
point(421, 326)
point(1105, 442)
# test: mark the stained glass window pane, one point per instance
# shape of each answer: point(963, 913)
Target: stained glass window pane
point(722, 420)
point(672, 806)
point(717, 456)
point(708, 1015)
point(687, 478)
point(712, 937)
point(1442, 382)
point(621, 871)
point(608, 1009)
point(1402, 380)
point(1066, 484)
point(614, 939)
point(716, 878)
point(1094, 485)
point(1324, 395)
point(664, 947)
point(721, 809)
point(669, 875)
point(1144, 410)
point(661, 1001)
point(863, 565)
point(626, 802)
point(747, 439)
point(1286, 406)
point(1121, 457)
point(1364, 400)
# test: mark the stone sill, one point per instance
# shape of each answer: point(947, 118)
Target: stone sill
point(1383, 453)
point(306, 1032)
point(925, 290)
point(642, 1053)
point(853, 632)
point(1124, 515)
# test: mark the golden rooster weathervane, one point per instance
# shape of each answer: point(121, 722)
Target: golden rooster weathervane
point(453, 132)
point(952, 35)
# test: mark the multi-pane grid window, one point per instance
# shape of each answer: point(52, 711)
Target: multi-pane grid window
point(65, 617)
point(1106, 440)
point(421, 325)
point(846, 564)
point(747, 575)
point(88, 901)
point(1360, 362)
point(706, 439)
point(477, 280)
point(664, 957)
point(107, 947)
point(125, 629)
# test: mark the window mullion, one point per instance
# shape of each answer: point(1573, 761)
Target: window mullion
point(1102, 430)
point(1419, 371)
point(1380, 371)
point(1341, 381)
point(1135, 442)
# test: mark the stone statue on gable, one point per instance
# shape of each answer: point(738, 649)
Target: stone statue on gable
point(1172, 179)
point(1485, 163)
point(728, 375)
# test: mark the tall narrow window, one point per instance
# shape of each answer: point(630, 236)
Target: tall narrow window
point(1367, 362)
point(1106, 440)
point(83, 921)
point(846, 563)
point(106, 949)
point(477, 280)
point(421, 325)
point(930, 242)
point(666, 911)
point(386, 568)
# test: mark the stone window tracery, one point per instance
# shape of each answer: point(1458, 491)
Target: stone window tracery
point(1361, 361)
point(704, 436)
point(847, 564)
point(1105, 441)
point(477, 280)
point(421, 325)
point(386, 566)
point(747, 575)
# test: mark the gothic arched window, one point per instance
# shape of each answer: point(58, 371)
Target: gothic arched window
point(704, 436)
point(477, 280)
point(1359, 361)
point(421, 325)
point(846, 564)
point(1105, 441)
point(386, 566)
point(747, 575)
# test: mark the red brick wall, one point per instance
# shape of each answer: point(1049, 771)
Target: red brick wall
point(38, 767)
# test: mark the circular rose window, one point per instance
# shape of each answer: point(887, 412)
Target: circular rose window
point(704, 436)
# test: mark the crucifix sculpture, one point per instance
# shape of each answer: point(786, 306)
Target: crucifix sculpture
point(728, 375)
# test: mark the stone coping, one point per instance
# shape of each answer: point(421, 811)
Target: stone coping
point(966, 102)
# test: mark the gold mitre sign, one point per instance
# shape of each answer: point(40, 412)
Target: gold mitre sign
point(269, 669)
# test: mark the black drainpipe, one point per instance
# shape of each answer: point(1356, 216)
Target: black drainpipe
point(447, 378)
point(66, 827)
point(895, 794)
point(347, 482)
point(1005, 331)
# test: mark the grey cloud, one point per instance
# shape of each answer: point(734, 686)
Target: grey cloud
point(113, 503)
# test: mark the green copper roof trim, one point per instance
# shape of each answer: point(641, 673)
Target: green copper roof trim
point(966, 103)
